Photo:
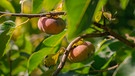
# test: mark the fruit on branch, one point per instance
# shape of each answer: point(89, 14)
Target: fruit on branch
point(81, 52)
point(51, 25)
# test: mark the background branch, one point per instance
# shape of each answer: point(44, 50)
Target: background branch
point(110, 68)
point(117, 36)
point(32, 15)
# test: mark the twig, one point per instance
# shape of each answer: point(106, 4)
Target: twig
point(94, 35)
point(117, 36)
point(32, 15)
point(65, 55)
point(110, 68)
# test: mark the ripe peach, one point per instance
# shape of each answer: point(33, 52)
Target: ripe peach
point(81, 52)
point(51, 25)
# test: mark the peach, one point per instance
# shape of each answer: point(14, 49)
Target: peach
point(51, 25)
point(81, 52)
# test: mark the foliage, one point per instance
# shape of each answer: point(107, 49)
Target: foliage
point(23, 47)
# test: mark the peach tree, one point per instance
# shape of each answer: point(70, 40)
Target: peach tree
point(67, 37)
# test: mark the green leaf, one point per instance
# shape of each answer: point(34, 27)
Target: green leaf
point(37, 6)
point(7, 5)
point(37, 57)
point(49, 46)
point(127, 67)
point(124, 3)
point(98, 16)
point(49, 5)
point(116, 45)
point(79, 14)
point(122, 50)
point(53, 40)
point(6, 31)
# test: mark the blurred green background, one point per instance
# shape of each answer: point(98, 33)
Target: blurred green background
point(23, 54)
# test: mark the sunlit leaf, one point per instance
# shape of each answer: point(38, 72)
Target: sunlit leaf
point(49, 5)
point(52, 59)
point(54, 40)
point(37, 6)
point(59, 7)
point(26, 6)
point(107, 15)
point(7, 5)
point(6, 31)
point(79, 15)
point(98, 16)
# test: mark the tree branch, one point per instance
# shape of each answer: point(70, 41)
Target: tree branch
point(65, 55)
point(110, 68)
point(32, 15)
point(117, 36)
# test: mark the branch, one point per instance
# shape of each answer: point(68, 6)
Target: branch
point(32, 15)
point(110, 68)
point(117, 36)
point(65, 55)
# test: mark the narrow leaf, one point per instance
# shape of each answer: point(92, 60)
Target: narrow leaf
point(7, 5)
point(79, 14)
point(124, 3)
point(98, 16)
point(37, 6)
point(49, 5)
point(6, 31)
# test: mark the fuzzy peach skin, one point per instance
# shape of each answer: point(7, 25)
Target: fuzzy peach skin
point(81, 52)
point(51, 25)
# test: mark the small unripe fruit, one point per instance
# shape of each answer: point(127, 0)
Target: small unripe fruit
point(51, 25)
point(81, 52)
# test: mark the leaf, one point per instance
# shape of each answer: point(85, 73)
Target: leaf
point(49, 46)
point(37, 6)
point(23, 42)
point(79, 14)
point(7, 5)
point(52, 59)
point(122, 50)
point(127, 67)
point(49, 5)
point(59, 7)
point(37, 57)
point(107, 15)
point(6, 31)
point(80, 42)
point(53, 40)
point(124, 3)
point(115, 46)
point(98, 16)
point(101, 54)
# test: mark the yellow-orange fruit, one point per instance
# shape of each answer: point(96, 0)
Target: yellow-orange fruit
point(81, 52)
point(51, 25)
